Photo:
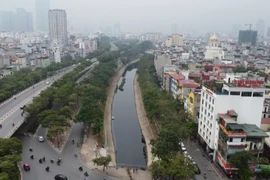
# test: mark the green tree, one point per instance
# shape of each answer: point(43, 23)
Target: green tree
point(10, 155)
point(240, 160)
point(265, 173)
point(102, 161)
point(176, 167)
point(167, 141)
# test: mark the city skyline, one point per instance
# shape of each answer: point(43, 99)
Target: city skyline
point(139, 16)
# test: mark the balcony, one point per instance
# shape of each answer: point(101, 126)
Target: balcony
point(230, 132)
point(236, 143)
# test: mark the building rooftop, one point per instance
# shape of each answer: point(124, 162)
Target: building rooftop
point(253, 131)
point(227, 118)
point(188, 84)
point(177, 76)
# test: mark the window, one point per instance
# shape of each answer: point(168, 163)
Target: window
point(203, 94)
point(205, 112)
point(209, 98)
point(202, 102)
point(206, 96)
point(246, 94)
point(212, 109)
point(191, 100)
point(235, 93)
point(257, 94)
point(213, 101)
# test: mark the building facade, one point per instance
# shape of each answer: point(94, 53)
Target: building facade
point(58, 26)
point(213, 51)
point(246, 97)
point(248, 37)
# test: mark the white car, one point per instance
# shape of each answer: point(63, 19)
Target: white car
point(41, 139)
point(183, 147)
point(47, 82)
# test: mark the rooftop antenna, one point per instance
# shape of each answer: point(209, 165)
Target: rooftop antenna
point(250, 25)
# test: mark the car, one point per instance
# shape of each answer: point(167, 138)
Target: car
point(41, 139)
point(47, 82)
point(22, 107)
point(183, 147)
point(60, 177)
point(26, 167)
point(197, 169)
point(190, 158)
point(185, 154)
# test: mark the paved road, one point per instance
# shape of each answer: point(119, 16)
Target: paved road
point(203, 163)
point(70, 163)
point(10, 111)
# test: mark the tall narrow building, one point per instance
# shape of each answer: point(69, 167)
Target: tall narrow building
point(42, 9)
point(58, 26)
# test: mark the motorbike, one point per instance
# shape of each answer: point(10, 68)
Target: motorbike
point(0, 125)
point(58, 162)
point(52, 161)
point(40, 161)
point(75, 154)
point(72, 141)
point(80, 168)
point(86, 173)
point(30, 149)
point(47, 168)
point(32, 156)
point(43, 159)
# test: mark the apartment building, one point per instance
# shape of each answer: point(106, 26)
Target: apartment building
point(235, 137)
point(246, 97)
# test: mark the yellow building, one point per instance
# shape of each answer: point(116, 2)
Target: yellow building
point(193, 105)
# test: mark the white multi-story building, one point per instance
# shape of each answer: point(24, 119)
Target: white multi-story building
point(246, 97)
point(58, 26)
point(174, 40)
point(213, 50)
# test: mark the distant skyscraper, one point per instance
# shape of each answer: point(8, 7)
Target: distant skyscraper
point(174, 29)
point(247, 37)
point(7, 21)
point(29, 22)
point(58, 25)
point(42, 9)
point(21, 20)
point(268, 32)
point(261, 28)
point(117, 29)
point(24, 20)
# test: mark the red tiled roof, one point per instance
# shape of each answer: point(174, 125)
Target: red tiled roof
point(194, 75)
point(177, 76)
point(188, 84)
point(232, 113)
point(224, 116)
point(265, 121)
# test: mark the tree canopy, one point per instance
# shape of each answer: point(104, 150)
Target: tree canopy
point(240, 160)
point(10, 155)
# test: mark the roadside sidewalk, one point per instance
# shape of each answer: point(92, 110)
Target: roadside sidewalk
point(88, 153)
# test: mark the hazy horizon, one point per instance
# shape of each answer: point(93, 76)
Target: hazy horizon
point(138, 16)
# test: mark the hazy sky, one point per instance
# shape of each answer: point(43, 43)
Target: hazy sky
point(157, 15)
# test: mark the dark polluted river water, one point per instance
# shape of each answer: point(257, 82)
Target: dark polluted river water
point(126, 128)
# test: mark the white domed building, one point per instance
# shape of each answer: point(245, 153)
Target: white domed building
point(213, 51)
